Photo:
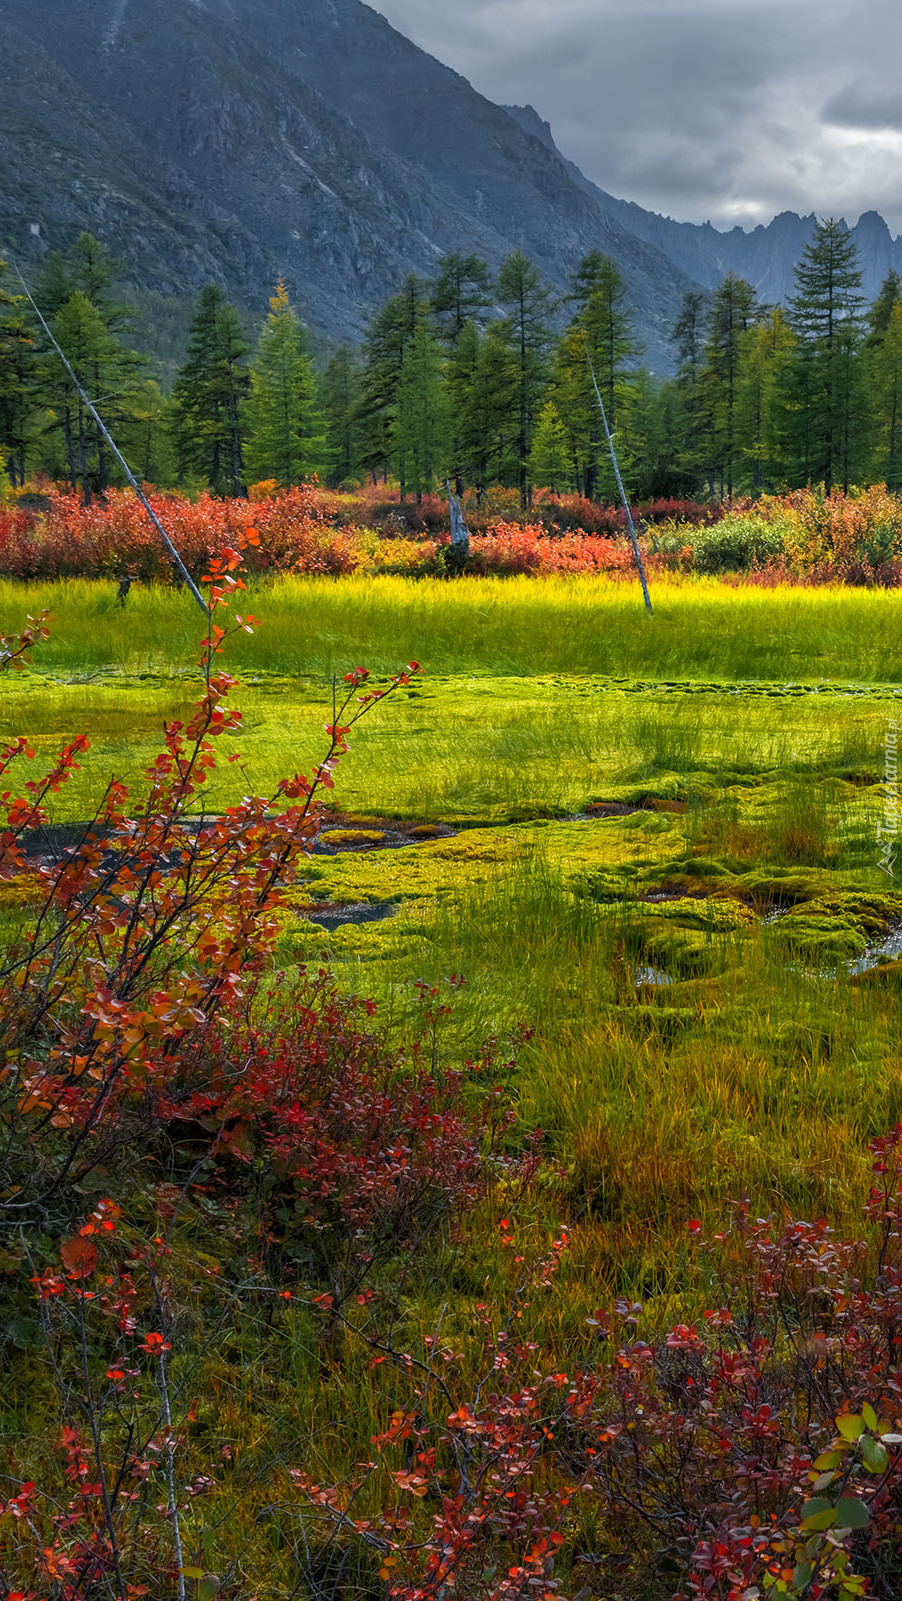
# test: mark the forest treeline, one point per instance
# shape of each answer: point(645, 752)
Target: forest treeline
point(471, 377)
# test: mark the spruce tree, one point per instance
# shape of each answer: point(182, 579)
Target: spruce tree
point(284, 439)
point(208, 397)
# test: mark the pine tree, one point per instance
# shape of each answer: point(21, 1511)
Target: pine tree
point(208, 396)
point(284, 439)
point(525, 328)
point(826, 388)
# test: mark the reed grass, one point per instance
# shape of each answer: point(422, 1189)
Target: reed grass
point(701, 629)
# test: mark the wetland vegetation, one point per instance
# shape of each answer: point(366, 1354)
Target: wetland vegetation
point(617, 889)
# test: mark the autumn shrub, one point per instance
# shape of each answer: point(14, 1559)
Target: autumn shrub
point(509, 548)
point(754, 1450)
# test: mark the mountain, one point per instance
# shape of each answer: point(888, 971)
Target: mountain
point(240, 140)
point(243, 140)
point(766, 255)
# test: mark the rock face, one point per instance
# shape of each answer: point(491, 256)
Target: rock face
point(240, 140)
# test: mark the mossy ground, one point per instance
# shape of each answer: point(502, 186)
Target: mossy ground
point(655, 843)
point(669, 877)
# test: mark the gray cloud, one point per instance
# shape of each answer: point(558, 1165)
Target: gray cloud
point(731, 110)
point(857, 106)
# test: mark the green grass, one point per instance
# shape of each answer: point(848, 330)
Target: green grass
point(747, 712)
point(701, 630)
point(747, 727)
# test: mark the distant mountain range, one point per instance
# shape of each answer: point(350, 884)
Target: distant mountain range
point(240, 140)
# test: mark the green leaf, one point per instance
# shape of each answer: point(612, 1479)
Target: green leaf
point(827, 1459)
point(869, 1415)
point(802, 1575)
point(192, 1573)
point(851, 1513)
point(824, 1480)
point(817, 1504)
point(209, 1588)
point(873, 1455)
point(817, 1514)
point(850, 1426)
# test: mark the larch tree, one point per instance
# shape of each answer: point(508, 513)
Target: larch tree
point(525, 299)
point(420, 443)
point(885, 368)
point(18, 375)
point(825, 389)
point(460, 294)
point(601, 329)
point(550, 462)
point(391, 331)
point(339, 402)
point(768, 351)
point(92, 353)
point(460, 298)
point(284, 439)
point(731, 313)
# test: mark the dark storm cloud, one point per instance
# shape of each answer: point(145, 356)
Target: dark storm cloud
point(858, 107)
point(721, 109)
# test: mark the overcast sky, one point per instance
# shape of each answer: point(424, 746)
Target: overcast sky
point(731, 110)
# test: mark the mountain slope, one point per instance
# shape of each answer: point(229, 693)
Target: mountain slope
point(243, 139)
point(766, 255)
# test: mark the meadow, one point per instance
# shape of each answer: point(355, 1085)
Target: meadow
point(745, 727)
point(644, 857)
